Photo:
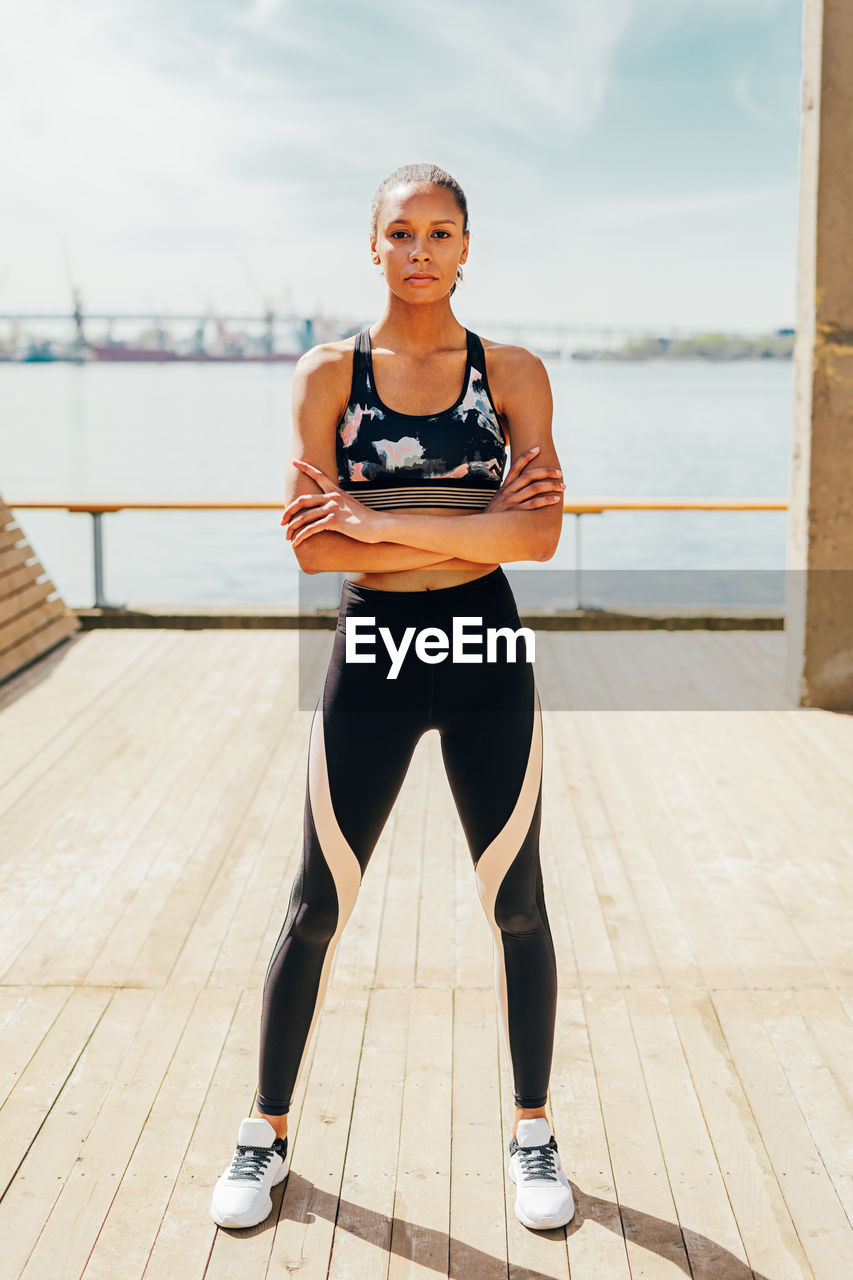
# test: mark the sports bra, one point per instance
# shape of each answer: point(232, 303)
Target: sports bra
point(387, 459)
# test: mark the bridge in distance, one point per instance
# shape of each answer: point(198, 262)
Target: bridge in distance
point(557, 336)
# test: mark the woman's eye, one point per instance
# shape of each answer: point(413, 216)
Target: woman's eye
point(394, 234)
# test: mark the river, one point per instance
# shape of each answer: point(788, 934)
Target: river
point(107, 432)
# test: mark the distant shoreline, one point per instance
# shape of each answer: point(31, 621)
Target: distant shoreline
point(707, 346)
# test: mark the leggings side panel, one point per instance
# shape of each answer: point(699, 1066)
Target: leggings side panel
point(509, 880)
point(363, 735)
point(322, 900)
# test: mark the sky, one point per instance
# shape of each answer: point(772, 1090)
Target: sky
point(625, 161)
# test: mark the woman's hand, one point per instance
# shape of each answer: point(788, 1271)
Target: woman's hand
point(533, 489)
point(333, 509)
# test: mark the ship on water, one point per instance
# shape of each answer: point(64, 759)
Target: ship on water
point(48, 351)
point(156, 345)
point(116, 351)
point(229, 347)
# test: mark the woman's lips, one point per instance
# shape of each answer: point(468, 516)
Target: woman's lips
point(420, 279)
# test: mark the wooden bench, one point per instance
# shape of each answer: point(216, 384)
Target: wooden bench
point(33, 616)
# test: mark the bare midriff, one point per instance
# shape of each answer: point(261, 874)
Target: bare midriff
point(444, 573)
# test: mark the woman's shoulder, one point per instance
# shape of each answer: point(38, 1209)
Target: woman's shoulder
point(327, 355)
point(508, 354)
point(510, 369)
point(327, 368)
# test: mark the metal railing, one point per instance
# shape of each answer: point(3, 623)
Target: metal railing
point(575, 507)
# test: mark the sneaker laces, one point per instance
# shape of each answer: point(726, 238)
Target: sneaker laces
point(539, 1162)
point(249, 1163)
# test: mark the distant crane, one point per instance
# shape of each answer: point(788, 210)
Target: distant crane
point(163, 336)
point(269, 311)
point(76, 296)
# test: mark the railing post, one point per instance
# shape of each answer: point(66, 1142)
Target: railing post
point(98, 558)
point(98, 562)
point(578, 559)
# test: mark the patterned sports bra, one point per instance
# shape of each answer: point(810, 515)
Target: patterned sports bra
point(455, 458)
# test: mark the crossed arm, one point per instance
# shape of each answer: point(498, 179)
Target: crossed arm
point(330, 530)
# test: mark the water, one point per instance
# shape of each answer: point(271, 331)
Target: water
point(689, 429)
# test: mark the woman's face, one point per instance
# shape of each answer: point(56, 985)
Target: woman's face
point(419, 234)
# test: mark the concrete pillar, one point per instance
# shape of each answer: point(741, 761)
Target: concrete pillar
point(819, 606)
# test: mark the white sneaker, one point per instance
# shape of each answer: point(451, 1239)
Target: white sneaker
point(241, 1197)
point(544, 1197)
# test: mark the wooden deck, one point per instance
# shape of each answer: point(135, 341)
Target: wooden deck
point(699, 873)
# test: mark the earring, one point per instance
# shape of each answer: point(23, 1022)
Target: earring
point(459, 274)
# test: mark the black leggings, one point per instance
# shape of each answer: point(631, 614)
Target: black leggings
point(363, 734)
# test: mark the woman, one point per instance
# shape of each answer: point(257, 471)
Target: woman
point(366, 485)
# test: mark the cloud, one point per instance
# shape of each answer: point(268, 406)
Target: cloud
point(743, 96)
point(340, 80)
point(282, 115)
point(163, 138)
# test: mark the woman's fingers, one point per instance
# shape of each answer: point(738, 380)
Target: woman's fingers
point(300, 518)
point(528, 476)
point(522, 460)
point(519, 462)
point(304, 500)
point(537, 493)
point(545, 486)
point(325, 482)
point(312, 512)
point(518, 492)
point(314, 527)
point(538, 500)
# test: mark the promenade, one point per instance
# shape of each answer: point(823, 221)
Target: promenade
point(698, 867)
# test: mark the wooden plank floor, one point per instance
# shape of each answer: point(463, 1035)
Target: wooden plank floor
point(698, 864)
